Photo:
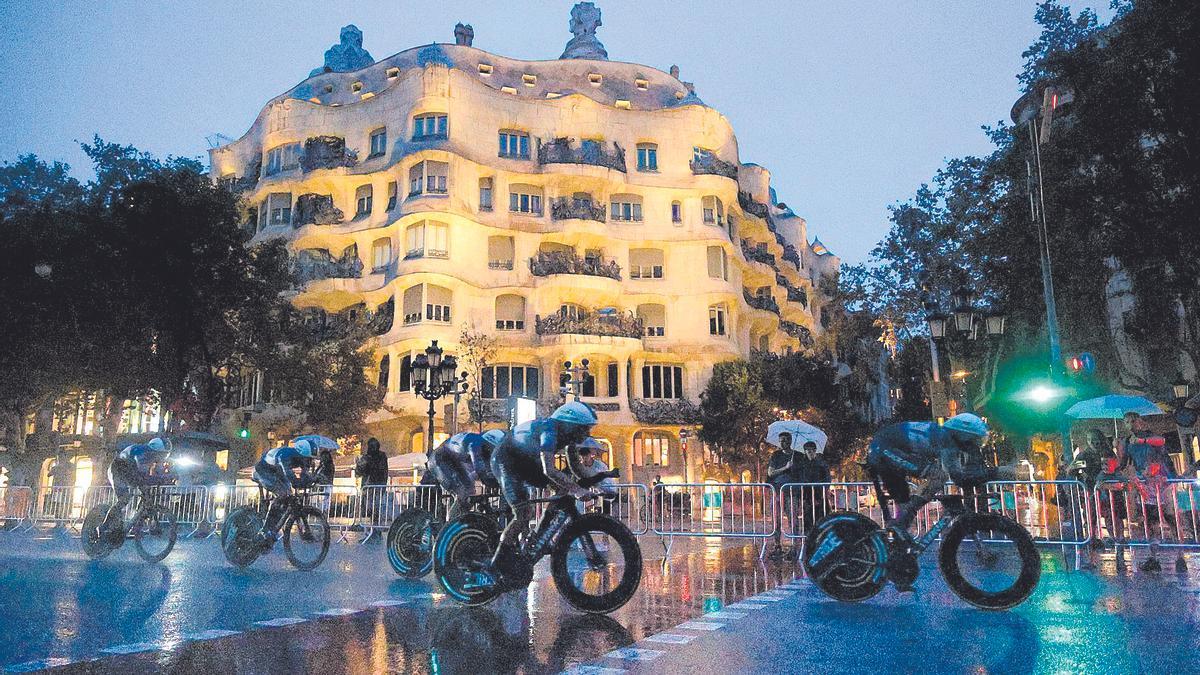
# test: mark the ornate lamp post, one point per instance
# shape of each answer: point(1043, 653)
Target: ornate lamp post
point(572, 379)
point(964, 321)
point(433, 378)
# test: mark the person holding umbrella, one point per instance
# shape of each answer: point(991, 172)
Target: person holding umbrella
point(797, 460)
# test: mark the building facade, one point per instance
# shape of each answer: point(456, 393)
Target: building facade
point(576, 208)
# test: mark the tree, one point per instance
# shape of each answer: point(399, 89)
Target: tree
point(734, 413)
point(478, 350)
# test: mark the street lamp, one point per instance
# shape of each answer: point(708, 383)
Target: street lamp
point(968, 322)
point(433, 378)
point(994, 319)
point(1180, 387)
point(937, 324)
point(964, 313)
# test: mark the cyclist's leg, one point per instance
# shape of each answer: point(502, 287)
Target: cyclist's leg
point(279, 487)
point(455, 480)
point(935, 479)
point(123, 477)
point(894, 481)
point(517, 493)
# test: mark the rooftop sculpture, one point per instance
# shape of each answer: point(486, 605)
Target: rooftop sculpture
point(585, 19)
point(347, 55)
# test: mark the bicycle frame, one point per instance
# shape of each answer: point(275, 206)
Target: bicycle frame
point(545, 535)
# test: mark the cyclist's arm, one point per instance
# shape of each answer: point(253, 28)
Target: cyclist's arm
point(951, 458)
point(560, 479)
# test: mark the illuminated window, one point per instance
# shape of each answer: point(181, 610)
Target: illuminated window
point(661, 381)
point(277, 209)
point(529, 80)
point(651, 448)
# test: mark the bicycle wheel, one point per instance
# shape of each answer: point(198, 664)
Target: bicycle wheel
point(597, 563)
point(463, 548)
point(239, 536)
point(306, 537)
point(410, 543)
point(154, 532)
point(844, 558)
point(97, 540)
point(989, 560)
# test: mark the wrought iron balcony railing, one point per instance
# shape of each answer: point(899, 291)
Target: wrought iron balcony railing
point(664, 411)
point(711, 165)
point(586, 322)
point(546, 263)
point(562, 151)
point(764, 302)
point(564, 208)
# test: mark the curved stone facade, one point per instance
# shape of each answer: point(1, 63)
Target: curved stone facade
point(522, 199)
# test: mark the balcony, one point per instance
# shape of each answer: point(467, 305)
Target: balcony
point(585, 322)
point(795, 330)
point(560, 151)
point(315, 264)
point(763, 302)
point(546, 263)
point(752, 207)
point(565, 209)
point(797, 295)
point(791, 255)
point(664, 411)
point(757, 253)
point(710, 165)
point(326, 152)
point(315, 209)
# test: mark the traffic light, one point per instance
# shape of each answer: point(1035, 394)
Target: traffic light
point(1083, 364)
point(244, 431)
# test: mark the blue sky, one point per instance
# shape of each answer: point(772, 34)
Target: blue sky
point(850, 104)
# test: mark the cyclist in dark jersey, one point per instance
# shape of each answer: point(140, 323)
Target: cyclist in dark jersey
point(524, 460)
point(277, 473)
point(132, 466)
point(461, 460)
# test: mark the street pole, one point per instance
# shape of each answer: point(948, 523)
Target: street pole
point(429, 434)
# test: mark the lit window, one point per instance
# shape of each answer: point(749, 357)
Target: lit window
point(428, 177)
point(716, 319)
point(362, 201)
point(514, 144)
point(651, 448)
point(525, 199)
point(378, 143)
point(500, 382)
point(427, 240)
point(529, 80)
point(430, 125)
point(595, 79)
point(659, 381)
point(279, 208)
point(641, 83)
point(485, 69)
point(426, 302)
point(647, 157)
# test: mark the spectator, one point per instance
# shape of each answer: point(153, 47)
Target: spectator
point(62, 476)
point(324, 476)
point(782, 468)
point(1089, 465)
point(1145, 453)
point(596, 474)
point(372, 470)
point(811, 467)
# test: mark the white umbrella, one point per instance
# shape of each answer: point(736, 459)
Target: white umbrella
point(801, 431)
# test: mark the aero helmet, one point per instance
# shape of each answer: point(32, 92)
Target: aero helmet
point(493, 437)
point(304, 446)
point(575, 413)
point(968, 424)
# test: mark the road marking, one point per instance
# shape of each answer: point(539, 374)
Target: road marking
point(777, 593)
point(41, 664)
point(388, 603)
point(634, 654)
point(763, 598)
point(282, 621)
point(701, 625)
point(745, 604)
point(593, 670)
point(672, 638)
point(725, 615)
point(131, 648)
point(339, 611)
point(210, 635)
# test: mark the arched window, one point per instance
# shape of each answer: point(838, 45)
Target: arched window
point(651, 448)
point(510, 312)
point(676, 212)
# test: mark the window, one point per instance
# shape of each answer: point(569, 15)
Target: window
point(426, 302)
point(647, 157)
point(500, 253)
point(676, 212)
point(651, 448)
point(529, 80)
point(525, 199)
point(595, 79)
point(641, 83)
point(362, 201)
point(427, 240)
point(700, 154)
point(381, 255)
point(485, 69)
point(626, 208)
point(716, 319)
point(569, 311)
point(661, 381)
point(393, 73)
point(385, 365)
point(485, 194)
point(430, 126)
point(510, 380)
point(718, 264)
point(613, 378)
point(654, 319)
point(714, 211)
point(278, 208)
point(378, 143)
point(764, 343)
point(514, 144)
point(393, 189)
point(428, 177)
point(510, 312)
point(405, 373)
point(356, 87)
point(282, 158)
point(645, 263)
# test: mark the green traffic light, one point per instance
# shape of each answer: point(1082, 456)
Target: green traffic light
point(244, 433)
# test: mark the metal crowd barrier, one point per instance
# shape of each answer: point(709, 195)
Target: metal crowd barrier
point(16, 508)
point(713, 510)
point(1142, 513)
point(801, 505)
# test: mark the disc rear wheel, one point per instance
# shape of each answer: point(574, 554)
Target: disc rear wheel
point(410, 543)
point(463, 550)
point(95, 535)
point(240, 536)
point(844, 557)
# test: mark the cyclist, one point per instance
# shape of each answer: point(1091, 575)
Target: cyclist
point(133, 467)
point(524, 460)
point(931, 452)
point(277, 473)
point(461, 460)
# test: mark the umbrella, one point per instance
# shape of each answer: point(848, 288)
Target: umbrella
point(801, 432)
point(1112, 407)
point(318, 441)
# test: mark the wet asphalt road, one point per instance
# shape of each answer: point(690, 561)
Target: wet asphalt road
point(195, 613)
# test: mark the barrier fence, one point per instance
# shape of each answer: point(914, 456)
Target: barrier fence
point(1067, 513)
